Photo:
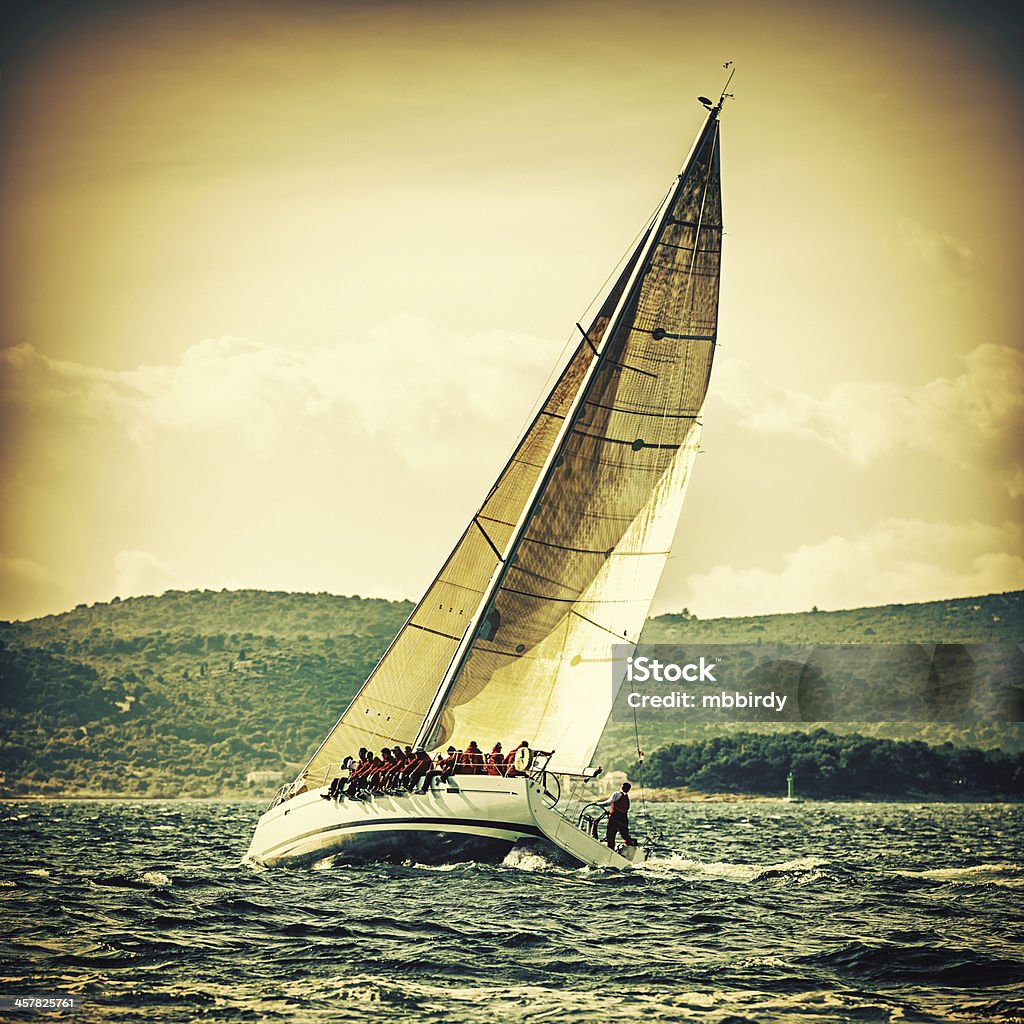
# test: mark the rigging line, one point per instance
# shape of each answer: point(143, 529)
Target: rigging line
point(640, 767)
point(623, 259)
point(490, 543)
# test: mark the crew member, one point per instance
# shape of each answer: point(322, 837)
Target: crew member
point(357, 780)
point(473, 760)
point(496, 761)
point(421, 764)
point(443, 767)
point(618, 816)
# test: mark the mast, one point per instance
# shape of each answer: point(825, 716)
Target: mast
point(640, 266)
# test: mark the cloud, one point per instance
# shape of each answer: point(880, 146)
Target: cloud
point(899, 561)
point(939, 251)
point(138, 572)
point(406, 381)
point(974, 420)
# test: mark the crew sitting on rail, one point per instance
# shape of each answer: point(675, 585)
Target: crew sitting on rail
point(377, 778)
point(405, 762)
point(389, 777)
point(449, 764)
point(396, 783)
point(419, 766)
point(360, 777)
point(338, 783)
point(472, 762)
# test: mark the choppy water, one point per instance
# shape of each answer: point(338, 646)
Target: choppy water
point(769, 912)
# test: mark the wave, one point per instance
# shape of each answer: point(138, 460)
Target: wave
point(1006, 875)
point(933, 965)
point(804, 868)
point(143, 880)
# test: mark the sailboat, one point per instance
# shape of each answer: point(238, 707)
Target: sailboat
point(514, 637)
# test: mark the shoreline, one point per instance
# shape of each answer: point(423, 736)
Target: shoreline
point(651, 795)
point(682, 794)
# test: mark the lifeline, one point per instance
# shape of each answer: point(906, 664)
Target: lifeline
point(680, 699)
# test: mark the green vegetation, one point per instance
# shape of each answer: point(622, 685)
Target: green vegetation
point(827, 765)
point(187, 693)
point(190, 693)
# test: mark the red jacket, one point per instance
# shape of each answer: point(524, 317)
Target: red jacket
point(473, 761)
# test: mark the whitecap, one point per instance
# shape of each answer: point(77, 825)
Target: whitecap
point(733, 872)
point(155, 878)
point(1005, 874)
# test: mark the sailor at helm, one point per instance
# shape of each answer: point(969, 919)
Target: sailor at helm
point(618, 816)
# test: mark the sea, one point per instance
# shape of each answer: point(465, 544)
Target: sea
point(757, 911)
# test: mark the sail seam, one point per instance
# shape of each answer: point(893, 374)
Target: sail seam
point(678, 337)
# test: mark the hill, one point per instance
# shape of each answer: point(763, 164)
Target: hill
point(193, 692)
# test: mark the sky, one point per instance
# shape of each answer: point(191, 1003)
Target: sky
point(281, 283)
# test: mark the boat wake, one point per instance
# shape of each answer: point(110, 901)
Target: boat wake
point(804, 869)
point(526, 858)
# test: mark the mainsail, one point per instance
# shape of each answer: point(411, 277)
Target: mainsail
point(513, 638)
point(588, 560)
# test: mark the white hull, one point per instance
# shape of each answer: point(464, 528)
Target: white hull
point(470, 818)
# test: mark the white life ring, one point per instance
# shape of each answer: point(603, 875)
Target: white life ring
point(523, 760)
